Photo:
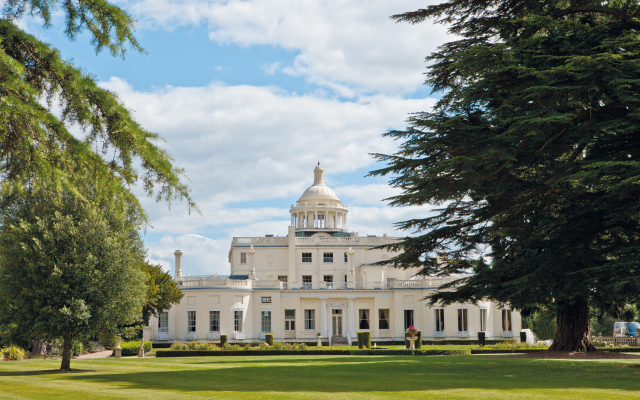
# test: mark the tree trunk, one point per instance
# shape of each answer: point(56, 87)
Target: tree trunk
point(573, 332)
point(66, 353)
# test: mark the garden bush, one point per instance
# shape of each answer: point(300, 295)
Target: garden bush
point(224, 340)
point(131, 348)
point(269, 339)
point(366, 340)
point(481, 338)
point(13, 353)
point(419, 341)
point(269, 352)
point(76, 348)
point(360, 341)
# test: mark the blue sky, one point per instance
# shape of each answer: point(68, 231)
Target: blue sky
point(250, 94)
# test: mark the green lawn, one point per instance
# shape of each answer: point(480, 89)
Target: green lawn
point(321, 377)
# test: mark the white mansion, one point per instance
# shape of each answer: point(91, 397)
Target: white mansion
point(318, 278)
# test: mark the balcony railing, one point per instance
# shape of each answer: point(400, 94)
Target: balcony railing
point(310, 241)
point(438, 334)
point(160, 335)
point(214, 335)
point(464, 334)
point(507, 334)
point(190, 336)
point(247, 284)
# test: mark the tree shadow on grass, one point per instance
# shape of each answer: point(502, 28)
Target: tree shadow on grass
point(45, 372)
point(327, 376)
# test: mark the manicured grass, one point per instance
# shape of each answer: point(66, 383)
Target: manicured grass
point(321, 377)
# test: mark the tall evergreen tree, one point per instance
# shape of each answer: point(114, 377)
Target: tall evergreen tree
point(532, 154)
point(36, 147)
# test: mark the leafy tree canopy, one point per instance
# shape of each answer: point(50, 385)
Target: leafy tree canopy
point(162, 291)
point(532, 154)
point(36, 147)
point(66, 270)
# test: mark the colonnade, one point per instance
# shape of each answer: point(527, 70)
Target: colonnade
point(319, 219)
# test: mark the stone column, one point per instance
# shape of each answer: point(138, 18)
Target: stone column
point(292, 257)
point(345, 220)
point(323, 318)
point(178, 270)
point(351, 324)
point(293, 221)
point(315, 220)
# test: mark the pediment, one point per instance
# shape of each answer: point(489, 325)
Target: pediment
point(336, 303)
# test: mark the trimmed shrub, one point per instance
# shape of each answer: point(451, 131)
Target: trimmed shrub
point(13, 353)
point(345, 352)
point(76, 348)
point(366, 340)
point(269, 339)
point(360, 341)
point(481, 338)
point(131, 348)
point(523, 337)
point(224, 340)
point(419, 341)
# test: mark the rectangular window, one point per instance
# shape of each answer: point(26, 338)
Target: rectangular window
point(237, 321)
point(506, 321)
point(307, 281)
point(327, 257)
point(345, 279)
point(328, 278)
point(243, 258)
point(266, 321)
point(462, 320)
point(283, 278)
point(289, 320)
point(439, 319)
point(265, 300)
point(191, 321)
point(214, 321)
point(408, 319)
point(383, 318)
point(306, 257)
point(346, 258)
point(364, 319)
point(483, 319)
point(163, 322)
point(310, 320)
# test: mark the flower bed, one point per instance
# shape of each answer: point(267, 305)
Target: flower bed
point(335, 352)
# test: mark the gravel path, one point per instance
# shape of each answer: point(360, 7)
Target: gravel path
point(98, 354)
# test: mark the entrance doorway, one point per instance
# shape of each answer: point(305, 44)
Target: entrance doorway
point(336, 323)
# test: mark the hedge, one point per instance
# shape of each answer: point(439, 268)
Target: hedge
point(131, 348)
point(360, 340)
point(505, 351)
point(224, 339)
point(366, 340)
point(268, 338)
point(338, 352)
point(481, 338)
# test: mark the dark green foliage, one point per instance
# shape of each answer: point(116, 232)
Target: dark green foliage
point(268, 338)
point(419, 341)
point(360, 340)
point(162, 291)
point(341, 352)
point(224, 340)
point(366, 339)
point(481, 338)
point(38, 152)
point(132, 348)
point(533, 152)
point(76, 348)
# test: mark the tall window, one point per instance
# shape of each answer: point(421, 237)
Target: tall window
point(307, 281)
point(364, 319)
point(163, 322)
point(214, 321)
point(483, 319)
point(289, 320)
point(265, 300)
point(383, 318)
point(306, 257)
point(243, 258)
point(327, 257)
point(408, 319)
point(328, 278)
point(266, 321)
point(462, 320)
point(309, 320)
point(283, 278)
point(439, 319)
point(506, 320)
point(346, 258)
point(237, 321)
point(321, 223)
point(191, 321)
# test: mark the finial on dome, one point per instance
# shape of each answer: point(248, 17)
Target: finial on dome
point(317, 175)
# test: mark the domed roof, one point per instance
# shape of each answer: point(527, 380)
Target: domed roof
point(318, 191)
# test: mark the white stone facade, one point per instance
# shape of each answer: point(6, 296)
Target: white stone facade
point(318, 278)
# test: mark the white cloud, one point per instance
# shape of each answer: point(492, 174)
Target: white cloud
point(271, 68)
point(349, 46)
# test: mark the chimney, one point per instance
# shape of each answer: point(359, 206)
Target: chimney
point(178, 274)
